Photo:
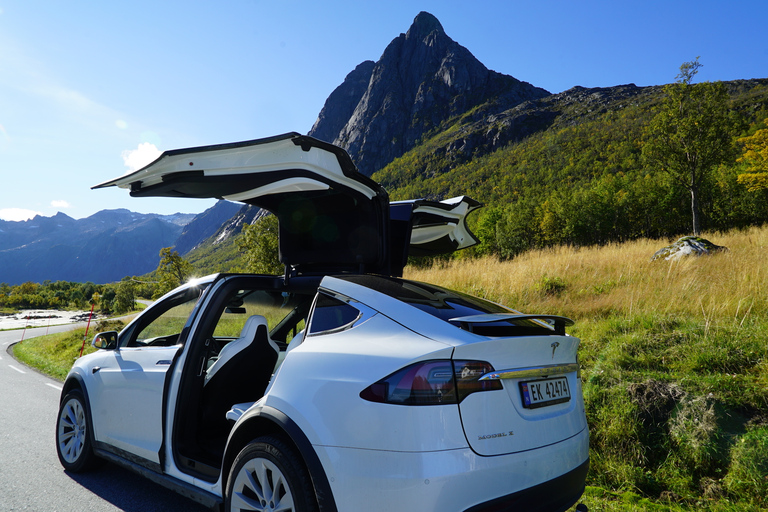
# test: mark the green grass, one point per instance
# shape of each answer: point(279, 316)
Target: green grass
point(602, 500)
point(674, 363)
point(54, 354)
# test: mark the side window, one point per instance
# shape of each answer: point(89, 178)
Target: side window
point(164, 326)
point(331, 315)
point(241, 306)
point(284, 311)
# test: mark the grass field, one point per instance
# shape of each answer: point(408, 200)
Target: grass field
point(674, 356)
point(675, 363)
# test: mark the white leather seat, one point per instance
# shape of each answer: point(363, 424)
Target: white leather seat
point(234, 347)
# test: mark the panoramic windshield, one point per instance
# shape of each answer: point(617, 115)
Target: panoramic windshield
point(440, 302)
point(452, 306)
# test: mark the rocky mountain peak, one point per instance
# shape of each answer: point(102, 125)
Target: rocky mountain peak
point(424, 25)
point(422, 79)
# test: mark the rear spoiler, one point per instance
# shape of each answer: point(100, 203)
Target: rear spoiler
point(557, 323)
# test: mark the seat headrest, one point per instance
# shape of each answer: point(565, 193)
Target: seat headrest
point(251, 325)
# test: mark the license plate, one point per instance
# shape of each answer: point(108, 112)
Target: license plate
point(541, 393)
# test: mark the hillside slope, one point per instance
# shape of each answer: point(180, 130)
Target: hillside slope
point(569, 169)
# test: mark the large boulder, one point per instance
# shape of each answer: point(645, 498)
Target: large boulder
point(686, 246)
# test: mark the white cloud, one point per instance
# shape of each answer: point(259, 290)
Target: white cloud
point(17, 214)
point(137, 158)
point(60, 203)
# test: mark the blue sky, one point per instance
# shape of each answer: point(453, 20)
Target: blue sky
point(87, 85)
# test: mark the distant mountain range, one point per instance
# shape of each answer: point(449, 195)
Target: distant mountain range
point(102, 248)
point(427, 106)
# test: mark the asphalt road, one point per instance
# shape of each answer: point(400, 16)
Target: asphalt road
point(31, 478)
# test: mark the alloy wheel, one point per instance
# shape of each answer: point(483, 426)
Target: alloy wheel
point(72, 430)
point(261, 486)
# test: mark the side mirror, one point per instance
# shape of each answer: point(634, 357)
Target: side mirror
point(105, 340)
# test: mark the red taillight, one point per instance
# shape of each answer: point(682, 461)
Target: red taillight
point(432, 383)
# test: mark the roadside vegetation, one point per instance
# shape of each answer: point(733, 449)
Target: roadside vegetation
point(674, 362)
point(54, 354)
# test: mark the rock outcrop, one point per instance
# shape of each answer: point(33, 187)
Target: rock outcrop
point(687, 246)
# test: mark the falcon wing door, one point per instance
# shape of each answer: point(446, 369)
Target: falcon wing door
point(441, 227)
point(331, 217)
point(427, 228)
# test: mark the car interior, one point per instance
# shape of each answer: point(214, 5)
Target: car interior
point(242, 342)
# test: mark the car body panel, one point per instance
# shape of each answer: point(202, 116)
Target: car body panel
point(440, 227)
point(329, 214)
point(496, 422)
point(135, 379)
point(444, 480)
point(308, 388)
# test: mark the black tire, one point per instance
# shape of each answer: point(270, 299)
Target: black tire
point(74, 434)
point(268, 475)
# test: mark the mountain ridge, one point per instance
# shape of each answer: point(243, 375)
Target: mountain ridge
point(103, 247)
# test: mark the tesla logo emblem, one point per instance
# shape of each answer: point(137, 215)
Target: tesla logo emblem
point(554, 346)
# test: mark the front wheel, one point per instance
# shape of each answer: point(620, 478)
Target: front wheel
point(268, 476)
point(74, 444)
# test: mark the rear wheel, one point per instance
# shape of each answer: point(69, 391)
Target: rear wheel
point(268, 476)
point(74, 440)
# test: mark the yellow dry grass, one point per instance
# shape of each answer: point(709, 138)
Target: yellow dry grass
point(621, 279)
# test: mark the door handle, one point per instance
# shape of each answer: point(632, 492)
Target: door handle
point(163, 362)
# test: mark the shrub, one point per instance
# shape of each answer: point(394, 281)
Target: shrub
point(551, 285)
point(748, 473)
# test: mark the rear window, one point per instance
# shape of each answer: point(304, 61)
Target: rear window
point(332, 315)
point(448, 304)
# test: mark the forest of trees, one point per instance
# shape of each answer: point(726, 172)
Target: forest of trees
point(65, 295)
point(620, 175)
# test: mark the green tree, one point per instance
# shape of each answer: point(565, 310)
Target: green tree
point(689, 134)
point(755, 155)
point(125, 296)
point(172, 271)
point(259, 244)
point(106, 302)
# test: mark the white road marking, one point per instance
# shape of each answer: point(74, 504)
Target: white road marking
point(54, 386)
point(17, 369)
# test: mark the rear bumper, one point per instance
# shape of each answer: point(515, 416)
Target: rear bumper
point(547, 479)
point(557, 495)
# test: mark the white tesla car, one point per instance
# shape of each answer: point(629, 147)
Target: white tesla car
point(337, 386)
